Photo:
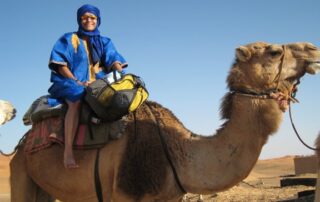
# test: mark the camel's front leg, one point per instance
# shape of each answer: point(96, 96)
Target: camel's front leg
point(317, 198)
point(318, 184)
point(23, 189)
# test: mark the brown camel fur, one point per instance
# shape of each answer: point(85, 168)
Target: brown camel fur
point(317, 198)
point(135, 168)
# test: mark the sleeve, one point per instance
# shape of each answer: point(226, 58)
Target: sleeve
point(59, 54)
point(111, 56)
point(100, 75)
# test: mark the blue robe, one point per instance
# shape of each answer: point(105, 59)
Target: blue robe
point(77, 60)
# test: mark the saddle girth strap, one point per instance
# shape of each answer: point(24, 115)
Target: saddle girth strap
point(97, 181)
point(165, 149)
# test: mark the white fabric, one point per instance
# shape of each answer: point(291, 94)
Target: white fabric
point(7, 112)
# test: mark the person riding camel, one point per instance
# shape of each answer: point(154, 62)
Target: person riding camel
point(77, 59)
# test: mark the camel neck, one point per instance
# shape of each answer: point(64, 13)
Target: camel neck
point(223, 160)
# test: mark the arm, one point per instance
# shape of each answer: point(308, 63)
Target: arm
point(117, 66)
point(111, 59)
point(65, 71)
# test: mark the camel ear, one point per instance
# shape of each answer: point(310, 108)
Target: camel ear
point(243, 53)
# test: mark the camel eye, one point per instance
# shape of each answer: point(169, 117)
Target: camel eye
point(275, 53)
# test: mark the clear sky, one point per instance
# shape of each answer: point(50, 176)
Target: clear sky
point(183, 49)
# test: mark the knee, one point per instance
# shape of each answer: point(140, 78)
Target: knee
point(74, 106)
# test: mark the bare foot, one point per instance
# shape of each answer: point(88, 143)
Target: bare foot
point(69, 162)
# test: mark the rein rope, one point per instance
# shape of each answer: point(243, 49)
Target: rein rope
point(280, 66)
point(298, 135)
point(165, 149)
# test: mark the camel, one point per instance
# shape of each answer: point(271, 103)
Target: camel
point(158, 158)
point(317, 196)
point(7, 112)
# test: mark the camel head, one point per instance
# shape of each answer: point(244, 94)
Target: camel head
point(7, 112)
point(261, 67)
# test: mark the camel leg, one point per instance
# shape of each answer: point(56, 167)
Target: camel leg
point(200, 199)
point(179, 199)
point(185, 198)
point(23, 189)
point(317, 197)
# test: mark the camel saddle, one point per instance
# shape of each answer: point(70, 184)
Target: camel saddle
point(48, 127)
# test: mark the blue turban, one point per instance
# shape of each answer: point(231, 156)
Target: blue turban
point(95, 42)
point(90, 9)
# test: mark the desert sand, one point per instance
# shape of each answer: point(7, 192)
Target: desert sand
point(4, 179)
point(263, 183)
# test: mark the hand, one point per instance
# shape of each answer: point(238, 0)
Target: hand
point(123, 72)
point(117, 66)
point(85, 84)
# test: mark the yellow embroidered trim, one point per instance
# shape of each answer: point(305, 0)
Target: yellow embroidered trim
point(75, 42)
point(92, 68)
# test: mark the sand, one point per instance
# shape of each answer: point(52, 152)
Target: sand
point(263, 184)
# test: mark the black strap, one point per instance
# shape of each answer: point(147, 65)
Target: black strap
point(89, 124)
point(165, 149)
point(115, 75)
point(97, 181)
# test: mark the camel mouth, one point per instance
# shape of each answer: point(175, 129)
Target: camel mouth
point(294, 81)
point(313, 67)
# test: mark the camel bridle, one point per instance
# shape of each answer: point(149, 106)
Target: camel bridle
point(267, 95)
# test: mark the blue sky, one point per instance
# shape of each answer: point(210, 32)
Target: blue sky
point(182, 49)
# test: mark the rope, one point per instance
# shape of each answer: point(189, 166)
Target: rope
point(278, 77)
point(97, 181)
point(165, 148)
point(297, 134)
point(265, 95)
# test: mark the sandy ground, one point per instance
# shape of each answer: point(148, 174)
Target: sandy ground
point(263, 183)
point(4, 179)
